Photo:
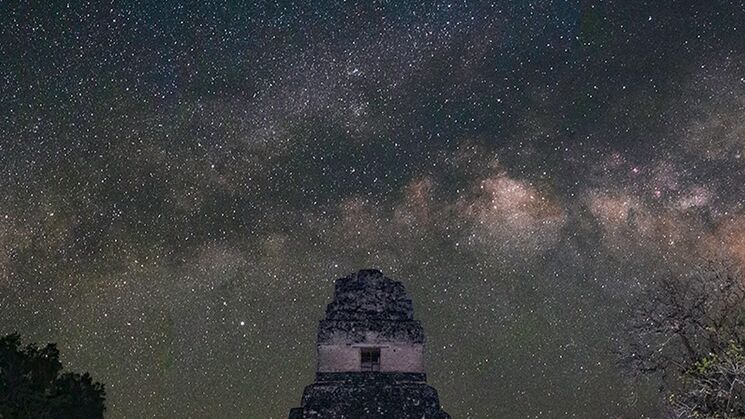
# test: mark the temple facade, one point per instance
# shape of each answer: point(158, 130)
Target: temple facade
point(370, 355)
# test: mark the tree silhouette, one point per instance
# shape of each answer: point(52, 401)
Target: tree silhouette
point(31, 385)
point(689, 333)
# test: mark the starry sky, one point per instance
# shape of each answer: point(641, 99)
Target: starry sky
point(181, 184)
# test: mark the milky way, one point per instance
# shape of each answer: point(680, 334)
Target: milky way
point(182, 184)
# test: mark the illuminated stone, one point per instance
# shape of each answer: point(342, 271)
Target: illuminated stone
point(370, 355)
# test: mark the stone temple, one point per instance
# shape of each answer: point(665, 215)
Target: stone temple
point(370, 356)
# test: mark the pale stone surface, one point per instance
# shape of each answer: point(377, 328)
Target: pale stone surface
point(369, 310)
point(394, 357)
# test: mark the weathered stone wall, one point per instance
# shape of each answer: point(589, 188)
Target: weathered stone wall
point(369, 395)
point(393, 358)
point(364, 331)
point(338, 358)
point(369, 310)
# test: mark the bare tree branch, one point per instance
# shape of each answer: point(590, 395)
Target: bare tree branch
point(687, 333)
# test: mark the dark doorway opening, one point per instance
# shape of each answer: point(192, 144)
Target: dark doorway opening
point(370, 359)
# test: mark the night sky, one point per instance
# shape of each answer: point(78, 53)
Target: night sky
point(182, 184)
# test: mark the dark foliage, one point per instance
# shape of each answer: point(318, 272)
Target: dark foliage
point(689, 333)
point(32, 387)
